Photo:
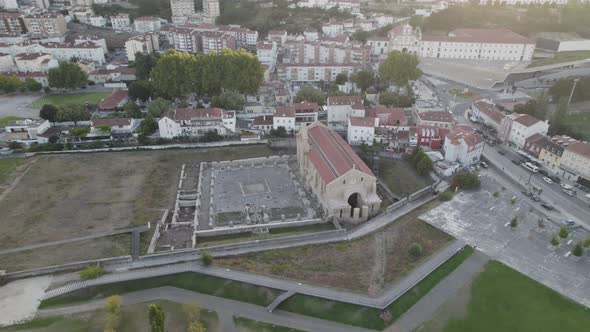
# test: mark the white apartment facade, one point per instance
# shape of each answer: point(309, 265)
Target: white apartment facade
point(147, 24)
point(83, 51)
point(45, 25)
point(361, 130)
point(182, 10)
point(341, 108)
point(306, 52)
point(313, 73)
point(185, 122)
point(575, 162)
point(516, 128)
point(284, 116)
point(34, 62)
point(267, 53)
point(120, 22)
point(6, 62)
point(144, 44)
point(211, 11)
point(94, 39)
point(463, 145)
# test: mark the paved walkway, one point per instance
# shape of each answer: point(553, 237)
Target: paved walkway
point(379, 302)
point(424, 310)
point(225, 308)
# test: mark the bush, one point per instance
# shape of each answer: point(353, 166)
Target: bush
point(513, 200)
point(578, 250)
point(586, 243)
point(445, 196)
point(496, 194)
point(465, 180)
point(415, 250)
point(555, 240)
point(112, 313)
point(206, 258)
point(92, 272)
point(563, 232)
point(514, 222)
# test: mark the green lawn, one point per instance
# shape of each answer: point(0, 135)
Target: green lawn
point(7, 166)
point(503, 299)
point(561, 57)
point(368, 317)
point(247, 325)
point(191, 281)
point(401, 177)
point(8, 119)
point(70, 98)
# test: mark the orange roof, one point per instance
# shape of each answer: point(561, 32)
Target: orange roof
point(284, 112)
point(358, 121)
point(180, 114)
point(113, 100)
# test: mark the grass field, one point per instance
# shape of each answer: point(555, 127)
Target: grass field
point(7, 167)
point(401, 178)
point(367, 317)
point(191, 281)
point(8, 119)
point(133, 318)
point(561, 57)
point(367, 265)
point(66, 196)
point(503, 299)
point(70, 98)
point(247, 325)
point(579, 124)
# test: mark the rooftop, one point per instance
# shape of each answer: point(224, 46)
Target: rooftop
point(344, 100)
point(30, 56)
point(388, 116)
point(113, 100)
point(186, 114)
point(284, 112)
point(527, 120)
point(438, 116)
point(111, 122)
point(491, 36)
point(262, 120)
point(357, 121)
point(581, 148)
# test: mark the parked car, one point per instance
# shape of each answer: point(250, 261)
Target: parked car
point(501, 152)
point(547, 206)
point(516, 161)
point(569, 223)
point(548, 180)
point(484, 164)
point(584, 189)
point(535, 198)
point(543, 172)
point(569, 192)
point(566, 186)
point(555, 179)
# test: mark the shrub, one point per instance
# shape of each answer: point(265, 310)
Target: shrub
point(445, 196)
point(555, 240)
point(92, 272)
point(157, 318)
point(206, 258)
point(113, 313)
point(514, 222)
point(496, 194)
point(415, 250)
point(586, 243)
point(465, 180)
point(563, 232)
point(513, 200)
point(578, 250)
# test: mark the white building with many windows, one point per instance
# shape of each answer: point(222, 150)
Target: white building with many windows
point(361, 130)
point(145, 44)
point(147, 24)
point(120, 22)
point(267, 53)
point(187, 122)
point(284, 116)
point(309, 73)
point(463, 145)
point(516, 128)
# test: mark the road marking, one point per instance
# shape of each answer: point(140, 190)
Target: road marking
point(492, 208)
point(569, 242)
point(506, 224)
point(567, 254)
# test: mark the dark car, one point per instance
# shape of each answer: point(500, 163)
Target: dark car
point(501, 152)
point(543, 172)
point(516, 162)
point(554, 178)
point(547, 206)
point(535, 198)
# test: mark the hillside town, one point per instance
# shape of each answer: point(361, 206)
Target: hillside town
point(294, 165)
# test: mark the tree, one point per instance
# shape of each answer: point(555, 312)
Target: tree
point(555, 240)
point(537, 107)
point(171, 76)
point(578, 250)
point(112, 313)
point(67, 75)
point(10, 83)
point(400, 68)
point(311, 95)
point(159, 106)
point(92, 272)
point(132, 110)
point(72, 112)
point(140, 90)
point(465, 180)
point(415, 250)
point(279, 132)
point(48, 112)
point(32, 85)
point(558, 125)
point(363, 79)
point(394, 99)
point(424, 166)
point(445, 196)
point(196, 327)
point(149, 125)
point(144, 63)
point(229, 101)
point(563, 232)
point(341, 79)
point(360, 36)
point(211, 136)
point(416, 21)
point(157, 318)
point(192, 311)
point(514, 222)
point(206, 258)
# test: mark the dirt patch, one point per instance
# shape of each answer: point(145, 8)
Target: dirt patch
point(366, 266)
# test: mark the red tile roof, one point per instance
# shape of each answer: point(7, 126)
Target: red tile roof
point(535, 138)
point(527, 120)
point(262, 120)
point(490, 110)
point(437, 116)
point(331, 155)
point(358, 121)
point(186, 114)
point(388, 116)
point(581, 148)
point(304, 106)
point(111, 122)
point(284, 112)
point(30, 56)
point(465, 133)
point(113, 100)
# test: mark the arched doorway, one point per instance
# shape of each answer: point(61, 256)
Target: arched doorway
point(354, 201)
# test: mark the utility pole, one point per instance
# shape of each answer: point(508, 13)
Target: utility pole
point(572, 92)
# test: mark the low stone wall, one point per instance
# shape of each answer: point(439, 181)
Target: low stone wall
point(249, 228)
point(76, 266)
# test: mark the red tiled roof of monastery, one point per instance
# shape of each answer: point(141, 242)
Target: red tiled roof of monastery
point(331, 155)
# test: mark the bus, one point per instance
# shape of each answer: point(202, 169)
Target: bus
point(530, 167)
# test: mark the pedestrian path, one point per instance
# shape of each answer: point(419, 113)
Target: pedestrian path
point(279, 299)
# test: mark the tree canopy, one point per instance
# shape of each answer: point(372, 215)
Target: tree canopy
point(144, 63)
point(536, 107)
point(400, 68)
point(311, 95)
point(159, 106)
point(67, 75)
point(563, 88)
point(72, 112)
point(10, 83)
point(364, 79)
point(394, 99)
point(48, 112)
point(140, 90)
point(229, 100)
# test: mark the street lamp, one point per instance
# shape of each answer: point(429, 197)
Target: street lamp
point(572, 92)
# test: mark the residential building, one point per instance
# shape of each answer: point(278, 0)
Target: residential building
point(182, 10)
point(313, 73)
point(9, 4)
point(516, 128)
point(379, 46)
point(333, 28)
point(262, 124)
point(34, 62)
point(534, 144)
point(147, 24)
point(144, 44)
point(575, 163)
point(12, 22)
point(340, 108)
point(245, 38)
point(441, 119)
point(325, 52)
point(97, 21)
point(117, 127)
point(353, 6)
point(6, 62)
point(120, 21)
point(267, 53)
point(311, 34)
point(361, 130)
point(397, 139)
point(115, 101)
point(84, 51)
point(305, 113)
point(486, 112)
point(389, 116)
point(278, 36)
point(343, 184)
point(284, 116)
point(95, 39)
point(431, 137)
point(463, 145)
point(45, 25)
point(211, 11)
point(119, 74)
point(25, 131)
point(216, 41)
point(187, 122)
point(551, 152)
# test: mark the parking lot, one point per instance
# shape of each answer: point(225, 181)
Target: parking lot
point(483, 219)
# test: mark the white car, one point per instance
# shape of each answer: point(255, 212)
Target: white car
point(548, 180)
point(566, 186)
